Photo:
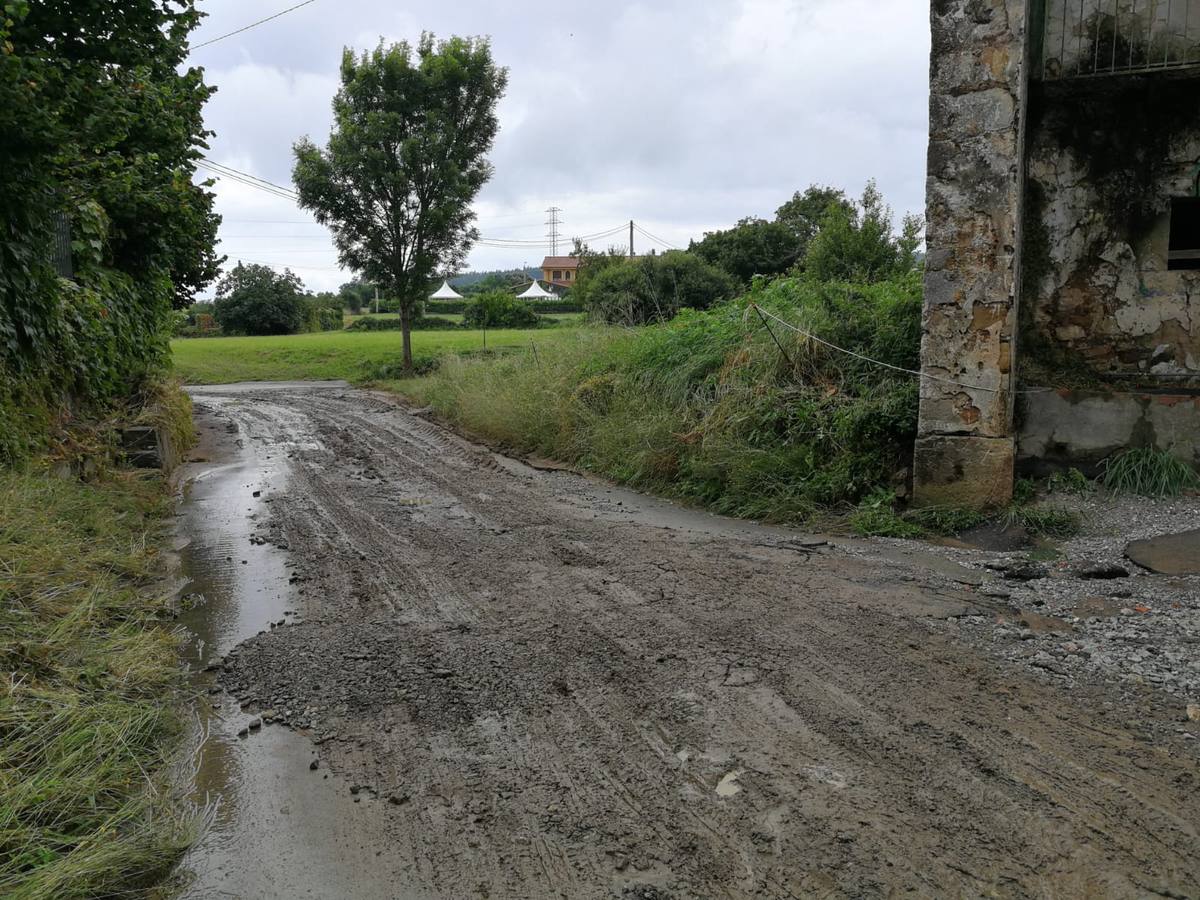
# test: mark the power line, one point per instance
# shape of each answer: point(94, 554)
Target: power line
point(213, 164)
point(655, 238)
point(220, 174)
point(254, 24)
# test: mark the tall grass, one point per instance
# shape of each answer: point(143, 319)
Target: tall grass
point(1150, 472)
point(712, 407)
point(89, 673)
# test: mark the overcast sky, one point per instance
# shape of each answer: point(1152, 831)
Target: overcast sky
point(685, 115)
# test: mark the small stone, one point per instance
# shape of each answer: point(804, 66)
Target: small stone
point(255, 723)
point(1027, 572)
point(1193, 712)
point(314, 765)
point(355, 789)
point(243, 732)
point(397, 799)
point(1099, 571)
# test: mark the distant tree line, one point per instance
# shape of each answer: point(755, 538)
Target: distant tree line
point(818, 234)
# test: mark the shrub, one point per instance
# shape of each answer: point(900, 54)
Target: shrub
point(424, 323)
point(654, 288)
point(497, 309)
point(322, 313)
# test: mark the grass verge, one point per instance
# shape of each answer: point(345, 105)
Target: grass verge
point(87, 712)
point(712, 408)
point(353, 356)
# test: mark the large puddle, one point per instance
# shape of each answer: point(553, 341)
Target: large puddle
point(279, 828)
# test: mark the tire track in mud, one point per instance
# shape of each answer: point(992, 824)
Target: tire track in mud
point(565, 701)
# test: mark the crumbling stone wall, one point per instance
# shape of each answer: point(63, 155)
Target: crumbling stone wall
point(1105, 157)
point(979, 76)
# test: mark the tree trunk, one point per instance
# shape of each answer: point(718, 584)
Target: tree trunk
point(406, 331)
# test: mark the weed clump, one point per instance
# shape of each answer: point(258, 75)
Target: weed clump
point(1149, 472)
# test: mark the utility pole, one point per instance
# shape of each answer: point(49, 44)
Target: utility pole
point(376, 299)
point(553, 222)
point(631, 237)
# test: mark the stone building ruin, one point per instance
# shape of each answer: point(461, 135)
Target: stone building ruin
point(1062, 286)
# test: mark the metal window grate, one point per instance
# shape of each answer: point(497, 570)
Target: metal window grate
point(62, 246)
point(1085, 38)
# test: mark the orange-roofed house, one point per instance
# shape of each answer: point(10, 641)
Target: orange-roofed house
point(560, 271)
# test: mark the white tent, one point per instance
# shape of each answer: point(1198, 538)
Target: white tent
point(445, 292)
point(537, 292)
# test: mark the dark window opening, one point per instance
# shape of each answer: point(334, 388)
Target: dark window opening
point(1184, 252)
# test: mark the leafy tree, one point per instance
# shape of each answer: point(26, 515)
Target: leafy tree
point(654, 288)
point(752, 247)
point(405, 160)
point(254, 299)
point(858, 244)
point(499, 309)
point(804, 213)
point(355, 294)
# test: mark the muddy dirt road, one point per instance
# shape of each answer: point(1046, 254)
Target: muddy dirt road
point(542, 686)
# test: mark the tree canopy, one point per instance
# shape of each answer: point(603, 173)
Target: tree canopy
point(805, 212)
point(856, 242)
point(254, 299)
point(760, 247)
point(752, 247)
point(412, 127)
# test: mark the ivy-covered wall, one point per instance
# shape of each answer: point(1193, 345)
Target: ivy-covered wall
point(99, 123)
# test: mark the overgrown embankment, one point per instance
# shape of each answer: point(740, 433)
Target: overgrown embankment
point(715, 407)
point(102, 226)
point(88, 716)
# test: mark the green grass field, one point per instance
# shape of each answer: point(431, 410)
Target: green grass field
point(353, 356)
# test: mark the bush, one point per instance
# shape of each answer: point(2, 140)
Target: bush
point(497, 309)
point(654, 288)
point(424, 323)
point(322, 313)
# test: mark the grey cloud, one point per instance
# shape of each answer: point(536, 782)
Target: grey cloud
point(683, 115)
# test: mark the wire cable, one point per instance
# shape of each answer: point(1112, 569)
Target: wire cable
point(875, 362)
point(642, 231)
point(254, 24)
point(213, 164)
point(274, 192)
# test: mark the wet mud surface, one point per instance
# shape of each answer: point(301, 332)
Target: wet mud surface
point(522, 683)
